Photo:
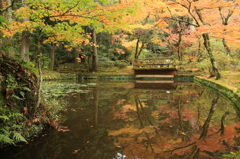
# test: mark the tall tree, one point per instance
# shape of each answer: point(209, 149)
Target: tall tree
point(6, 16)
point(25, 39)
point(94, 52)
point(64, 21)
point(195, 9)
point(226, 11)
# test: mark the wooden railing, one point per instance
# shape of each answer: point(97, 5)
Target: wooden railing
point(154, 63)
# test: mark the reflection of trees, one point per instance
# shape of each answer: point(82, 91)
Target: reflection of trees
point(165, 137)
point(138, 133)
point(95, 97)
point(98, 105)
point(139, 107)
point(195, 149)
point(148, 142)
point(221, 130)
point(207, 122)
point(110, 120)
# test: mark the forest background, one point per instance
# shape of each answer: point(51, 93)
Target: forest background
point(94, 34)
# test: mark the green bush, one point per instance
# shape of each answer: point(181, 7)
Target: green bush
point(105, 62)
point(121, 63)
point(204, 64)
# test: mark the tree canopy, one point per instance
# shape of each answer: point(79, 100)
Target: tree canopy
point(135, 28)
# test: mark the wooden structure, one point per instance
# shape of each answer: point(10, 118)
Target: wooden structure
point(154, 67)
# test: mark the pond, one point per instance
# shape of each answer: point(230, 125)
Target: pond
point(138, 120)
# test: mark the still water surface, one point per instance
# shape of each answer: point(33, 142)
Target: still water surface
point(129, 120)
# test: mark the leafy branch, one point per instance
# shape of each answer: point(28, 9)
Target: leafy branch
point(7, 7)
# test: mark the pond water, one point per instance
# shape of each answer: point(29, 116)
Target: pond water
point(136, 120)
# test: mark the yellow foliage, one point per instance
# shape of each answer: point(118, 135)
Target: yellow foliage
point(130, 45)
point(129, 107)
point(156, 40)
point(155, 114)
point(130, 131)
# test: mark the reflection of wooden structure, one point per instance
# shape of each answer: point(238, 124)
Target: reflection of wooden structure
point(154, 68)
point(158, 84)
point(154, 94)
point(160, 90)
point(162, 70)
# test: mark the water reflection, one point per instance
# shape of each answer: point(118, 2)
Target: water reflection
point(139, 121)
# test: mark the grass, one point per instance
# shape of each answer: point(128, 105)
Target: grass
point(115, 70)
point(50, 75)
point(229, 79)
point(101, 71)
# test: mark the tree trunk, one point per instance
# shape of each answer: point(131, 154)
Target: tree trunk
point(94, 55)
point(6, 47)
point(38, 53)
point(137, 47)
point(206, 42)
point(209, 118)
point(76, 56)
point(10, 19)
point(212, 59)
point(52, 57)
point(228, 51)
point(179, 44)
point(199, 54)
point(225, 20)
point(25, 40)
point(1, 38)
point(25, 46)
point(138, 50)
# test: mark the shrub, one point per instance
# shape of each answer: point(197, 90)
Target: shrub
point(121, 63)
point(105, 62)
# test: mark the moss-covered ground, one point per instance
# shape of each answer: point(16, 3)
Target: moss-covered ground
point(229, 79)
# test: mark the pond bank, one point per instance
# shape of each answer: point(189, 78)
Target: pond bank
point(229, 85)
point(230, 80)
point(221, 90)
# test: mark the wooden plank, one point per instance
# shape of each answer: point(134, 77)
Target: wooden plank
point(157, 76)
point(160, 81)
point(155, 68)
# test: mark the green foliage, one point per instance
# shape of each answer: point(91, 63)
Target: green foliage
point(10, 137)
point(4, 117)
point(145, 54)
point(3, 21)
point(105, 62)
point(231, 155)
point(224, 62)
point(121, 63)
point(61, 89)
point(157, 49)
point(204, 64)
point(5, 137)
point(10, 128)
point(18, 137)
point(16, 88)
